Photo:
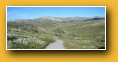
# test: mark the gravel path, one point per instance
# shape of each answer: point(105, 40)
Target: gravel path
point(56, 45)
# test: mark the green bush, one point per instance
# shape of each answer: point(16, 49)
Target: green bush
point(11, 37)
point(48, 40)
point(29, 45)
point(58, 32)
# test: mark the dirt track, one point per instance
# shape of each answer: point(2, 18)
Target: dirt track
point(56, 45)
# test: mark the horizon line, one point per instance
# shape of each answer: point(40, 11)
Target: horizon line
point(58, 16)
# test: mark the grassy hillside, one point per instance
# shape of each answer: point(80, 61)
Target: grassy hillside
point(38, 33)
point(84, 35)
point(23, 35)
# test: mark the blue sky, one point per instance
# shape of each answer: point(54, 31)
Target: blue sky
point(35, 12)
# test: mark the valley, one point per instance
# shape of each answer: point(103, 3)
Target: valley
point(72, 32)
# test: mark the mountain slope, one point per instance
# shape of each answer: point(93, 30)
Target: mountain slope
point(76, 32)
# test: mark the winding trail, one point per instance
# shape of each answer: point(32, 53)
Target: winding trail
point(56, 45)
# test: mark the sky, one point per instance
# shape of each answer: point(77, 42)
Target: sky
point(35, 12)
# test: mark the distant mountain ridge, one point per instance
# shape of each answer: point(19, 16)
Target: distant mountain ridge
point(61, 19)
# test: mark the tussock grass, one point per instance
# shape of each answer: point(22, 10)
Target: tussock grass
point(82, 43)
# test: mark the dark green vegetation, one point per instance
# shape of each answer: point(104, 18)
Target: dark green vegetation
point(76, 32)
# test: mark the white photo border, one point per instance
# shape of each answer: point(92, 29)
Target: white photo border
point(55, 6)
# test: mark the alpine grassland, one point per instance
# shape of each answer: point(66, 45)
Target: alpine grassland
point(76, 32)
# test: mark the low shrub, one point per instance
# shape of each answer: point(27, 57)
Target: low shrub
point(48, 40)
point(28, 45)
